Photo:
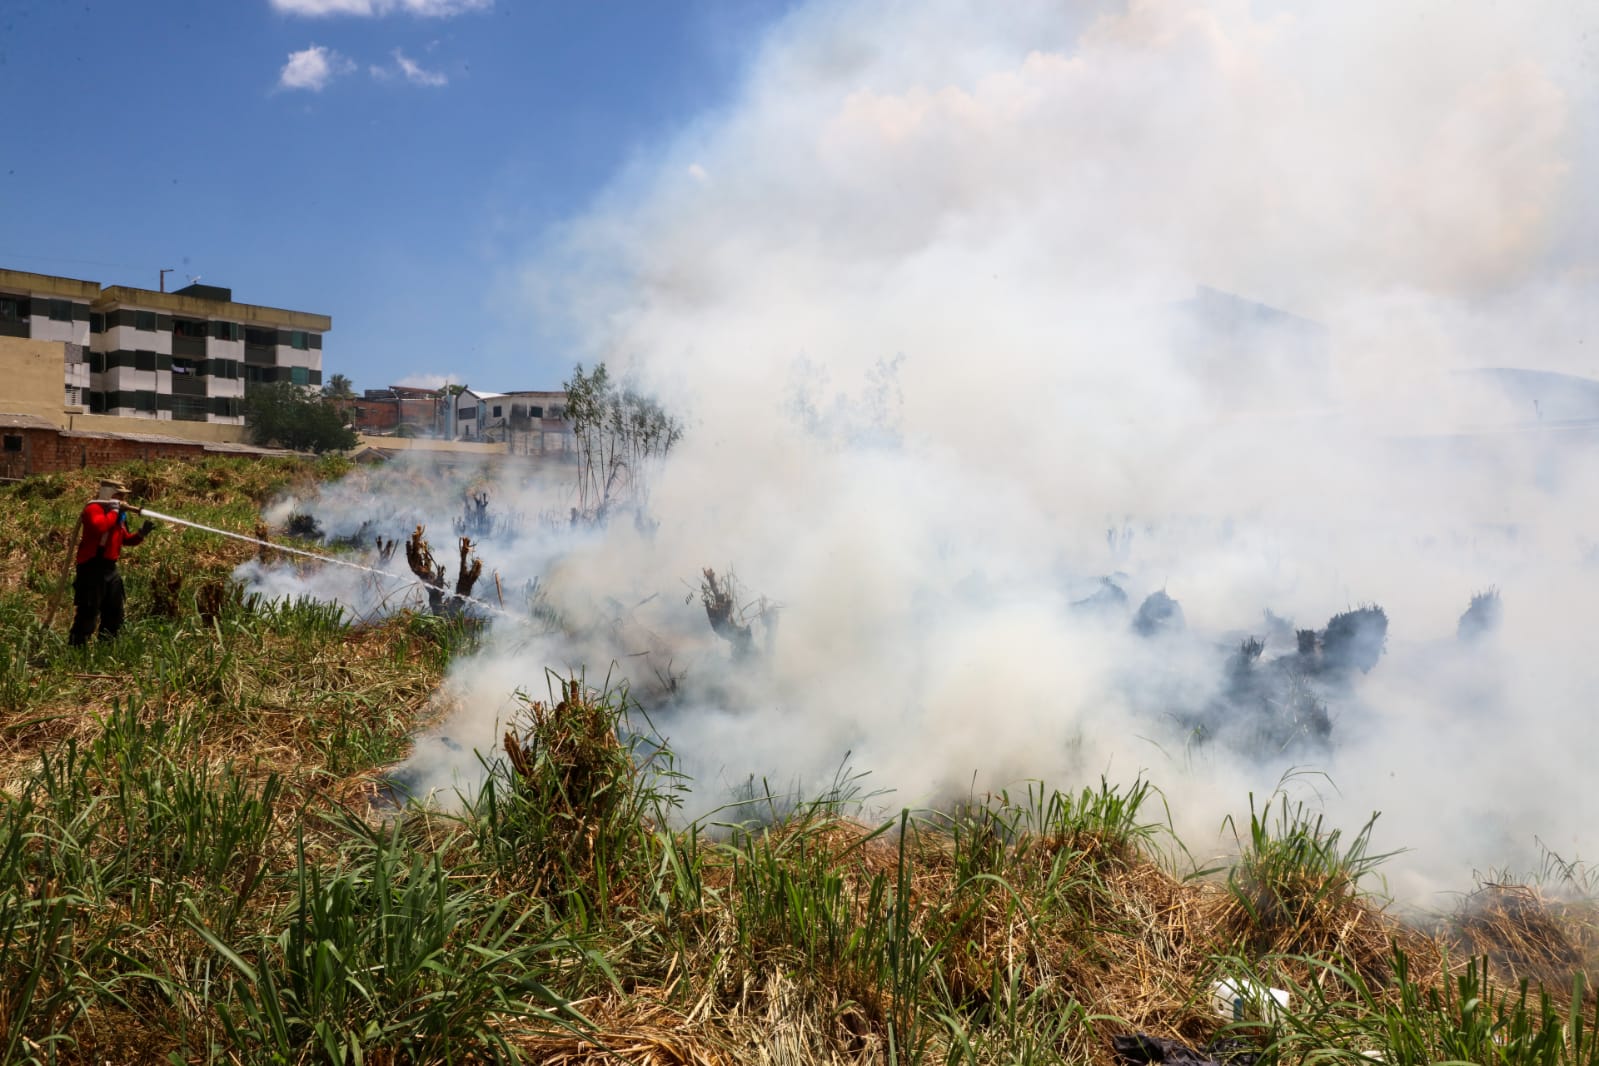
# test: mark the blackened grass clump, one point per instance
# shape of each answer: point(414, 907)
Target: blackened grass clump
point(303, 525)
point(1282, 705)
point(1158, 615)
point(1108, 599)
point(1353, 640)
point(1482, 617)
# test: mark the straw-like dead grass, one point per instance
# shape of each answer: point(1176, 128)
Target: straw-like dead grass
point(996, 932)
point(1528, 933)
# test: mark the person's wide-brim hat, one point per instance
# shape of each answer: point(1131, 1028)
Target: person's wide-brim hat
point(113, 484)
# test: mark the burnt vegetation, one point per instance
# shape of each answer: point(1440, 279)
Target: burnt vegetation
point(197, 865)
point(441, 600)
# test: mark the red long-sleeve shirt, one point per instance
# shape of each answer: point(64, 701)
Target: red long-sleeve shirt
point(104, 532)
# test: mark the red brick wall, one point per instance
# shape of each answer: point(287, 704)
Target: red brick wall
point(371, 416)
point(422, 415)
point(47, 451)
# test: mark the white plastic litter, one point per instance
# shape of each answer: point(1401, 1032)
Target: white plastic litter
point(1238, 999)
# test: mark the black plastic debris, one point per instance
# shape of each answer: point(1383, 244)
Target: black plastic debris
point(1141, 1047)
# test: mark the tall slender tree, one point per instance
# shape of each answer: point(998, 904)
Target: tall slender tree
point(619, 431)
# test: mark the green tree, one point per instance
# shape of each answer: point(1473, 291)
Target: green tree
point(287, 416)
point(338, 388)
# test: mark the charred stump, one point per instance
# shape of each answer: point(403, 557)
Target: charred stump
point(471, 569)
point(721, 610)
point(475, 520)
point(419, 556)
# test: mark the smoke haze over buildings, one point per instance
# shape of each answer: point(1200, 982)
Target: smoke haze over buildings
point(922, 294)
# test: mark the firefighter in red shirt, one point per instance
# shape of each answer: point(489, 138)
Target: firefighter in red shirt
point(97, 589)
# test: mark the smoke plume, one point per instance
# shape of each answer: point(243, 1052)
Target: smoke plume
point(969, 308)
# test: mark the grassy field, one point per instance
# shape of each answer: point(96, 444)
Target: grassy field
point(197, 865)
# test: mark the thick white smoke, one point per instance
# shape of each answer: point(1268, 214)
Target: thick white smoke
point(921, 291)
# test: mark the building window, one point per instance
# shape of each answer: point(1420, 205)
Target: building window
point(300, 375)
point(13, 442)
point(261, 336)
point(294, 338)
point(13, 308)
point(144, 400)
point(227, 331)
point(144, 320)
point(61, 310)
point(496, 410)
point(143, 360)
point(190, 408)
point(188, 327)
point(96, 322)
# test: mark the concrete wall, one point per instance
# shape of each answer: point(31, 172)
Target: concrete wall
point(150, 340)
point(195, 307)
point(425, 444)
point(45, 329)
point(35, 378)
point(49, 285)
point(207, 432)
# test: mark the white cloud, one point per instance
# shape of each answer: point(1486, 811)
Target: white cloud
point(370, 8)
point(417, 75)
point(312, 68)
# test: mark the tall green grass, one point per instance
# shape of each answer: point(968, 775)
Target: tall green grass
point(388, 952)
point(1340, 1015)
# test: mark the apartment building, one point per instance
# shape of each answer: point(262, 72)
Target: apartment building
point(188, 355)
point(41, 307)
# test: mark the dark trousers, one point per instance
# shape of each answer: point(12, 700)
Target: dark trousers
point(97, 601)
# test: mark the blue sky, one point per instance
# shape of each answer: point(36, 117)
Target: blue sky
point(386, 162)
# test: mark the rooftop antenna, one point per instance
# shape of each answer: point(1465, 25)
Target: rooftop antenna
point(164, 272)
